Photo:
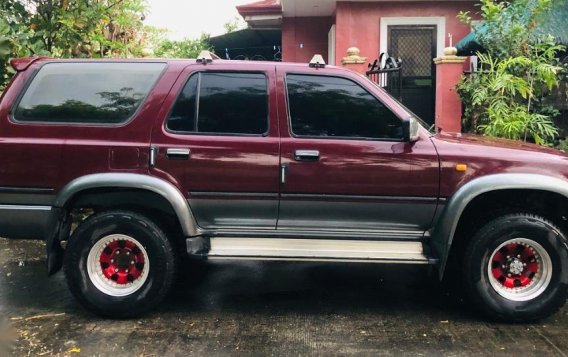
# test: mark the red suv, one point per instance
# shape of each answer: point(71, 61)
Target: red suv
point(125, 166)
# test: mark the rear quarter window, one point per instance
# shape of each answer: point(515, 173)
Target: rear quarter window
point(95, 93)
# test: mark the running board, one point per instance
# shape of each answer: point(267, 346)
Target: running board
point(318, 250)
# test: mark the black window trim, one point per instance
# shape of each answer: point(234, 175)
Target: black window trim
point(198, 92)
point(352, 138)
point(15, 105)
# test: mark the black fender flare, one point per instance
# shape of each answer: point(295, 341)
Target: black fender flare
point(445, 228)
point(113, 180)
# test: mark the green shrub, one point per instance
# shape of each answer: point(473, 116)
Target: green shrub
point(506, 98)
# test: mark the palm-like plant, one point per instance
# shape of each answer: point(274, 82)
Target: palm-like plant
point(501, 96)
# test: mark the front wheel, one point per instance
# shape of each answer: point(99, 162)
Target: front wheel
point(516, 268)
point(119, 264)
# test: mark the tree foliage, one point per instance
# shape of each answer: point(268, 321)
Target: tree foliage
point(71, 28)
point(509, 27)
point(518, 70)
point(16, 38)
point(186, 48)
point(236, 24)
point(86, 29)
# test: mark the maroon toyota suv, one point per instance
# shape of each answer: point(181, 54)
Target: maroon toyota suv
point(124, 166)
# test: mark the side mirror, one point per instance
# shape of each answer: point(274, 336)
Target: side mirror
point(410, 129)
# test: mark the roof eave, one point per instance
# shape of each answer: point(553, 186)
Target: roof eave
point(264, 21)
point(259, 8)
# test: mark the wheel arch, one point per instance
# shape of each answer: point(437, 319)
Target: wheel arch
point(107, 183)
point(140, 182)
point(443, 235)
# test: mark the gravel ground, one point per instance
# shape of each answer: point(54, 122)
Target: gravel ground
point(256, 308)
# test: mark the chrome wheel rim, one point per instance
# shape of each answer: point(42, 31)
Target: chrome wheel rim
point(520, 269)
point(118, 265)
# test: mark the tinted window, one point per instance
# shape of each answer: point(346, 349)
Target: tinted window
point(182, 117)
point(228, 103)
point(106, 93)
point(337, 107)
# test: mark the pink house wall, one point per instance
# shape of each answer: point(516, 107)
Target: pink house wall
point(358, 23)
point(302, 37)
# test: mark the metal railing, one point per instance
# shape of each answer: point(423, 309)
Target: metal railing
point(387, 73)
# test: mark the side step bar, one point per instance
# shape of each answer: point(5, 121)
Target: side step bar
point(318, 250)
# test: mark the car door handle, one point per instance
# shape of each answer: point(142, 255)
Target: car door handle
point(306, 155)
point(178, 153)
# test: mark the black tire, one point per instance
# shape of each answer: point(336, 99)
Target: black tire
point(155, 255)
point(544, 293)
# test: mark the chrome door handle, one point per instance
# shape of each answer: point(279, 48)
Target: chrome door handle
point(177, 153)
point(306, 155)
point(283, 170)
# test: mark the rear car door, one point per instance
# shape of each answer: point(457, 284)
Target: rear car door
point(347, 166)
point(218, 141)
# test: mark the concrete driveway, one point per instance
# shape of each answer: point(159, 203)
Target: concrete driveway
point(256, 308)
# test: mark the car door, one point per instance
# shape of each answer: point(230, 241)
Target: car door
point(345, 163)
point(218, 141)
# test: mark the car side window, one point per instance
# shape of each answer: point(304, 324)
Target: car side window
point(87, 92)
point(333, 107)
point(222, 103)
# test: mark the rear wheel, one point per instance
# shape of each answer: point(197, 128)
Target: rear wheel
point(119, 264)
point(516, 268)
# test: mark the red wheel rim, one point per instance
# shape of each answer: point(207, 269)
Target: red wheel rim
point(122, 261)
point(514, 265)
point(118, 265)
point(520, 269)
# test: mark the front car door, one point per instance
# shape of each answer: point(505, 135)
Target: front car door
point(346, 166)
point(219, 143)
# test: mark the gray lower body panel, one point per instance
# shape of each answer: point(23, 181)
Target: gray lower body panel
point(235, 211)
point(24, 222)
point(345, 212)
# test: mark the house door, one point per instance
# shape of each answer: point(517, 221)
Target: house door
point(416, 46)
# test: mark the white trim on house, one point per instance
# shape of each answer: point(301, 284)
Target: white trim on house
point(331, 46)
point(440, 23)
point(264, 21)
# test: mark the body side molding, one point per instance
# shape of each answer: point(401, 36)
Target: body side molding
point(445, 228)
point(135, 181)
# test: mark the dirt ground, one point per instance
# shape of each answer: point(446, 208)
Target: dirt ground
point(256, 308)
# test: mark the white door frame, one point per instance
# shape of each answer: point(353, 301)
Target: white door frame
point(331, 46)
point(440, 23)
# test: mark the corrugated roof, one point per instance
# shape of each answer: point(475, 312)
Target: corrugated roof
point(249, 43)
point(247, 38)
point(555, 22)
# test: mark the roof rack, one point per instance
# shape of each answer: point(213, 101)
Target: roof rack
point(317, 62)
point(207, 57)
